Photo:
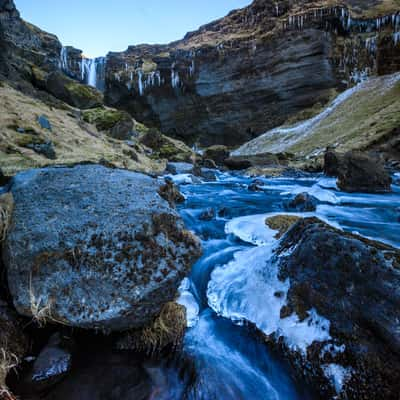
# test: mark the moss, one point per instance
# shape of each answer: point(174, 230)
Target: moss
point(281, 223)
point(103, 118)
point(83, 91)
point(140, 128)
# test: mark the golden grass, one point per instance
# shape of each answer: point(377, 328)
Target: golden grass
point(6, 209)
point(281, 223)
point(8, 361)
point(74, 140)
point(168, 329)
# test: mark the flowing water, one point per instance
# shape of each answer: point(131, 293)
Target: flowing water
point(230, 362)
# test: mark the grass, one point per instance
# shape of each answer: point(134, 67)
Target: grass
point(281, 223)
point(8, 361)
point(103, 118)
point(168, 329)
point(6, 209)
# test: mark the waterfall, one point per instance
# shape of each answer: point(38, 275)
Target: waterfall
point(64, 59)
point(92, 72)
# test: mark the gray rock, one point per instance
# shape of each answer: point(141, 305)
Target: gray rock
point(354, 283)
point(360, 172)
point(45, 149)
point(93, 247)
point(53, 363)
point(303, 202)
point(44, 122)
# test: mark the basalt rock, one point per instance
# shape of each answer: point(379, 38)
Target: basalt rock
point(92, 247)
point(360, 172)
point(303, 202)
point(354, 283)
point(218, 154)
point(238, 77)
point(331, 163)
point(72, 92)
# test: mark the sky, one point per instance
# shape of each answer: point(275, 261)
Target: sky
point(100, 26)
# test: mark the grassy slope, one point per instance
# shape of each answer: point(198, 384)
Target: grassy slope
point(363, 118)
point(74, 140)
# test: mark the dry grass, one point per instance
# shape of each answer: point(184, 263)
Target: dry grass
point(6, 209)
point(281, 223)
point(74, 140)
point(167, 330)
point(8, 361)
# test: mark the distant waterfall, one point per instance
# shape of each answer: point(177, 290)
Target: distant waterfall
point(90, 71)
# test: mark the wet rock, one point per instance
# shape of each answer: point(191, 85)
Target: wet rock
point(100, 375)
point(303, 202)
point(73, 92)
point(217, 153)
point(281, 223)
point(84, 265)
point(207, 215)
point(237, 163)
point(53, 363)
point(171, 193)
point(45, 149)
point(354, 283)
point(208, 174)
point(166, 332)
point(255, 186)
point(331, 163)
point(44, 122)
point(360, 172)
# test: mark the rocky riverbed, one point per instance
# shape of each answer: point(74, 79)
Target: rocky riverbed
point(269, 314)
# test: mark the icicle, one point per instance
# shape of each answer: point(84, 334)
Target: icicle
point(140, 82)
point(192, 68)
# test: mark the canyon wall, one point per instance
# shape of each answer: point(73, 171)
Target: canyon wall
point(237, 77)
point(232, 79)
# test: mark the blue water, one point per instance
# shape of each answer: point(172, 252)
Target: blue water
point(230, 362)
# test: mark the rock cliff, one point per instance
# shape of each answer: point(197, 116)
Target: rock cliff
point(237, 77)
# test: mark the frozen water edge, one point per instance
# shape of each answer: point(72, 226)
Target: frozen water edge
point(248, 289)
point(187, 300)
point(337, 375)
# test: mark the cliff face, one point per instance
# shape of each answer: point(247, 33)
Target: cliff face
point(239, 76)
point(24, 46)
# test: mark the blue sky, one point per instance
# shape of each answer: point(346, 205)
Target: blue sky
point(99, 26)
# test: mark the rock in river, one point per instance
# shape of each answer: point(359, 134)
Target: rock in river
point(93, 247)
point(354, 283)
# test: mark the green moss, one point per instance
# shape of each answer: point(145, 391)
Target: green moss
point(83, 91)
point(140, 128)
point(103, 118)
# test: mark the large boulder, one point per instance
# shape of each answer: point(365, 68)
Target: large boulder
point(303, 202)
point(331, 163)
point(354, 283)
point(73, 92)
point(360, 172)
point(217, 153)
point(93, 247)
point(117, 124)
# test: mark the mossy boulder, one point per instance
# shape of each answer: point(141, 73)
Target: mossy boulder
point(281, 223)
point(116, 252)
point(166, 148)
point(217, 153)
point(38, 144)
point(73, 92)
point(117, 124)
